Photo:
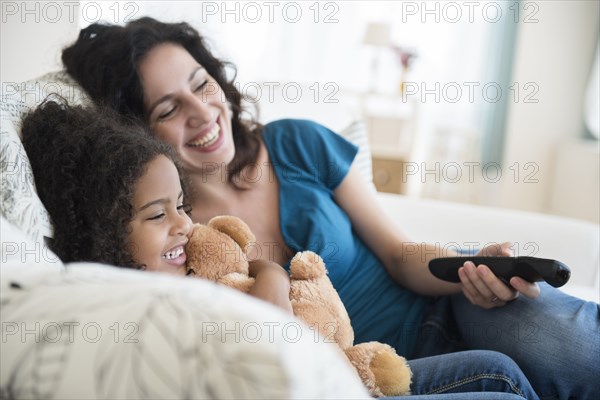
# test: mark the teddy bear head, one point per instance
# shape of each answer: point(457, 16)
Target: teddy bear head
point(219, 248)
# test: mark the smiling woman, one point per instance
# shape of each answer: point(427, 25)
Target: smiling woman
point(201, 77)
point(185, 107)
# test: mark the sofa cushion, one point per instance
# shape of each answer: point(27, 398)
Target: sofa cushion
point(95, 331)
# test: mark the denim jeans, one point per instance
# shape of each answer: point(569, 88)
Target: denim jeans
point(469, 373)
point(554, 339)
point(462, 396)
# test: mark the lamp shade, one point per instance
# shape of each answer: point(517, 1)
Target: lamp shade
point(377, 34)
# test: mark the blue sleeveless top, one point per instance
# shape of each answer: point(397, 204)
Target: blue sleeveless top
point(310, 161)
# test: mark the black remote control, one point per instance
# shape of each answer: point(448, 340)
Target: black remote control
point(531, 269)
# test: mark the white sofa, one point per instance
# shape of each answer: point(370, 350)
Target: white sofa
point(574, 242)
point(176, 324)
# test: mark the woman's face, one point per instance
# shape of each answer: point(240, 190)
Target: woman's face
point(186, 107)
point(160, 227)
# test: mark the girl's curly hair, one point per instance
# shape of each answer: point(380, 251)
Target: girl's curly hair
point(105, 59)
point(86, 163)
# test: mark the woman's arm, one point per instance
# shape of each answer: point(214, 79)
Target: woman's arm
point(272, 283)
point(406, 261)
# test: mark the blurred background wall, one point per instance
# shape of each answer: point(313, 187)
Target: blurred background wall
point(485, 102)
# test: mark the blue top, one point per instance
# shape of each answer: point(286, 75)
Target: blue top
point(310, 161)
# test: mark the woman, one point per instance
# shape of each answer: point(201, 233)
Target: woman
point(294, 183)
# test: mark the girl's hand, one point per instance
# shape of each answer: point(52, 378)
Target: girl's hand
point(483, 288)
point(272, 283)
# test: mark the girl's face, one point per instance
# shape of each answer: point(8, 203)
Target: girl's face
point(160, 226)
point(186, 107)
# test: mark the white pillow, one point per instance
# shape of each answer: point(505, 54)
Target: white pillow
point(95, 331)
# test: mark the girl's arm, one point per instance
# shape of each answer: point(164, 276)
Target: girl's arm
point(406, 261)
point(272, 283)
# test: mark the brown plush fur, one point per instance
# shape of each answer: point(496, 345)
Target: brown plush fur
point(217, 251)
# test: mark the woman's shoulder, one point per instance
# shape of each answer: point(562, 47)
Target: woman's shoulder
point(301, 133)
point(306, 145)
point(294, 127)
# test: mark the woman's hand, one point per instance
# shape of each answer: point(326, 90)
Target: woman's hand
point(483, 288)
point(272, 283)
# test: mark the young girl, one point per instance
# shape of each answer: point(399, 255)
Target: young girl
point(114, 194)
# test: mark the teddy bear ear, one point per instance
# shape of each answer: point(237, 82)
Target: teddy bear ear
point(234, 227)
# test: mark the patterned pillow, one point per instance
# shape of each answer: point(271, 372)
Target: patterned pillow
point(20, 204)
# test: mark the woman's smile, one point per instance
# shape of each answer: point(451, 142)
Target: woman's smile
point(209, 139)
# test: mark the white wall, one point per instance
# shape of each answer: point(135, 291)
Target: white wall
point(556, 54)
point(32, 35)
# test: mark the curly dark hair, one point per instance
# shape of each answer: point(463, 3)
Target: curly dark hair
point(85, 164)
point(105, 58)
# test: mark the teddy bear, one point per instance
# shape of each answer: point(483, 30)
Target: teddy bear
point(218, 251)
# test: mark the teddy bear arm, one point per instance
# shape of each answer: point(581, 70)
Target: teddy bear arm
point(237, 281)
point(326, 325)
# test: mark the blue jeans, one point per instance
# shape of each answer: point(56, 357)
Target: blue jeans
point(554, 339)
point(458, 375)
point(463, 396)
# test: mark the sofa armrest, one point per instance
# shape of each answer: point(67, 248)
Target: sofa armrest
point(449, 225)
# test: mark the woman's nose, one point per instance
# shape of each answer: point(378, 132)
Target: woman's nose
point(199, 112)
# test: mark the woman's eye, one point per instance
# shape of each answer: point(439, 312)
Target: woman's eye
point(167, 113)
point(156, 217)
point(201, 86)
